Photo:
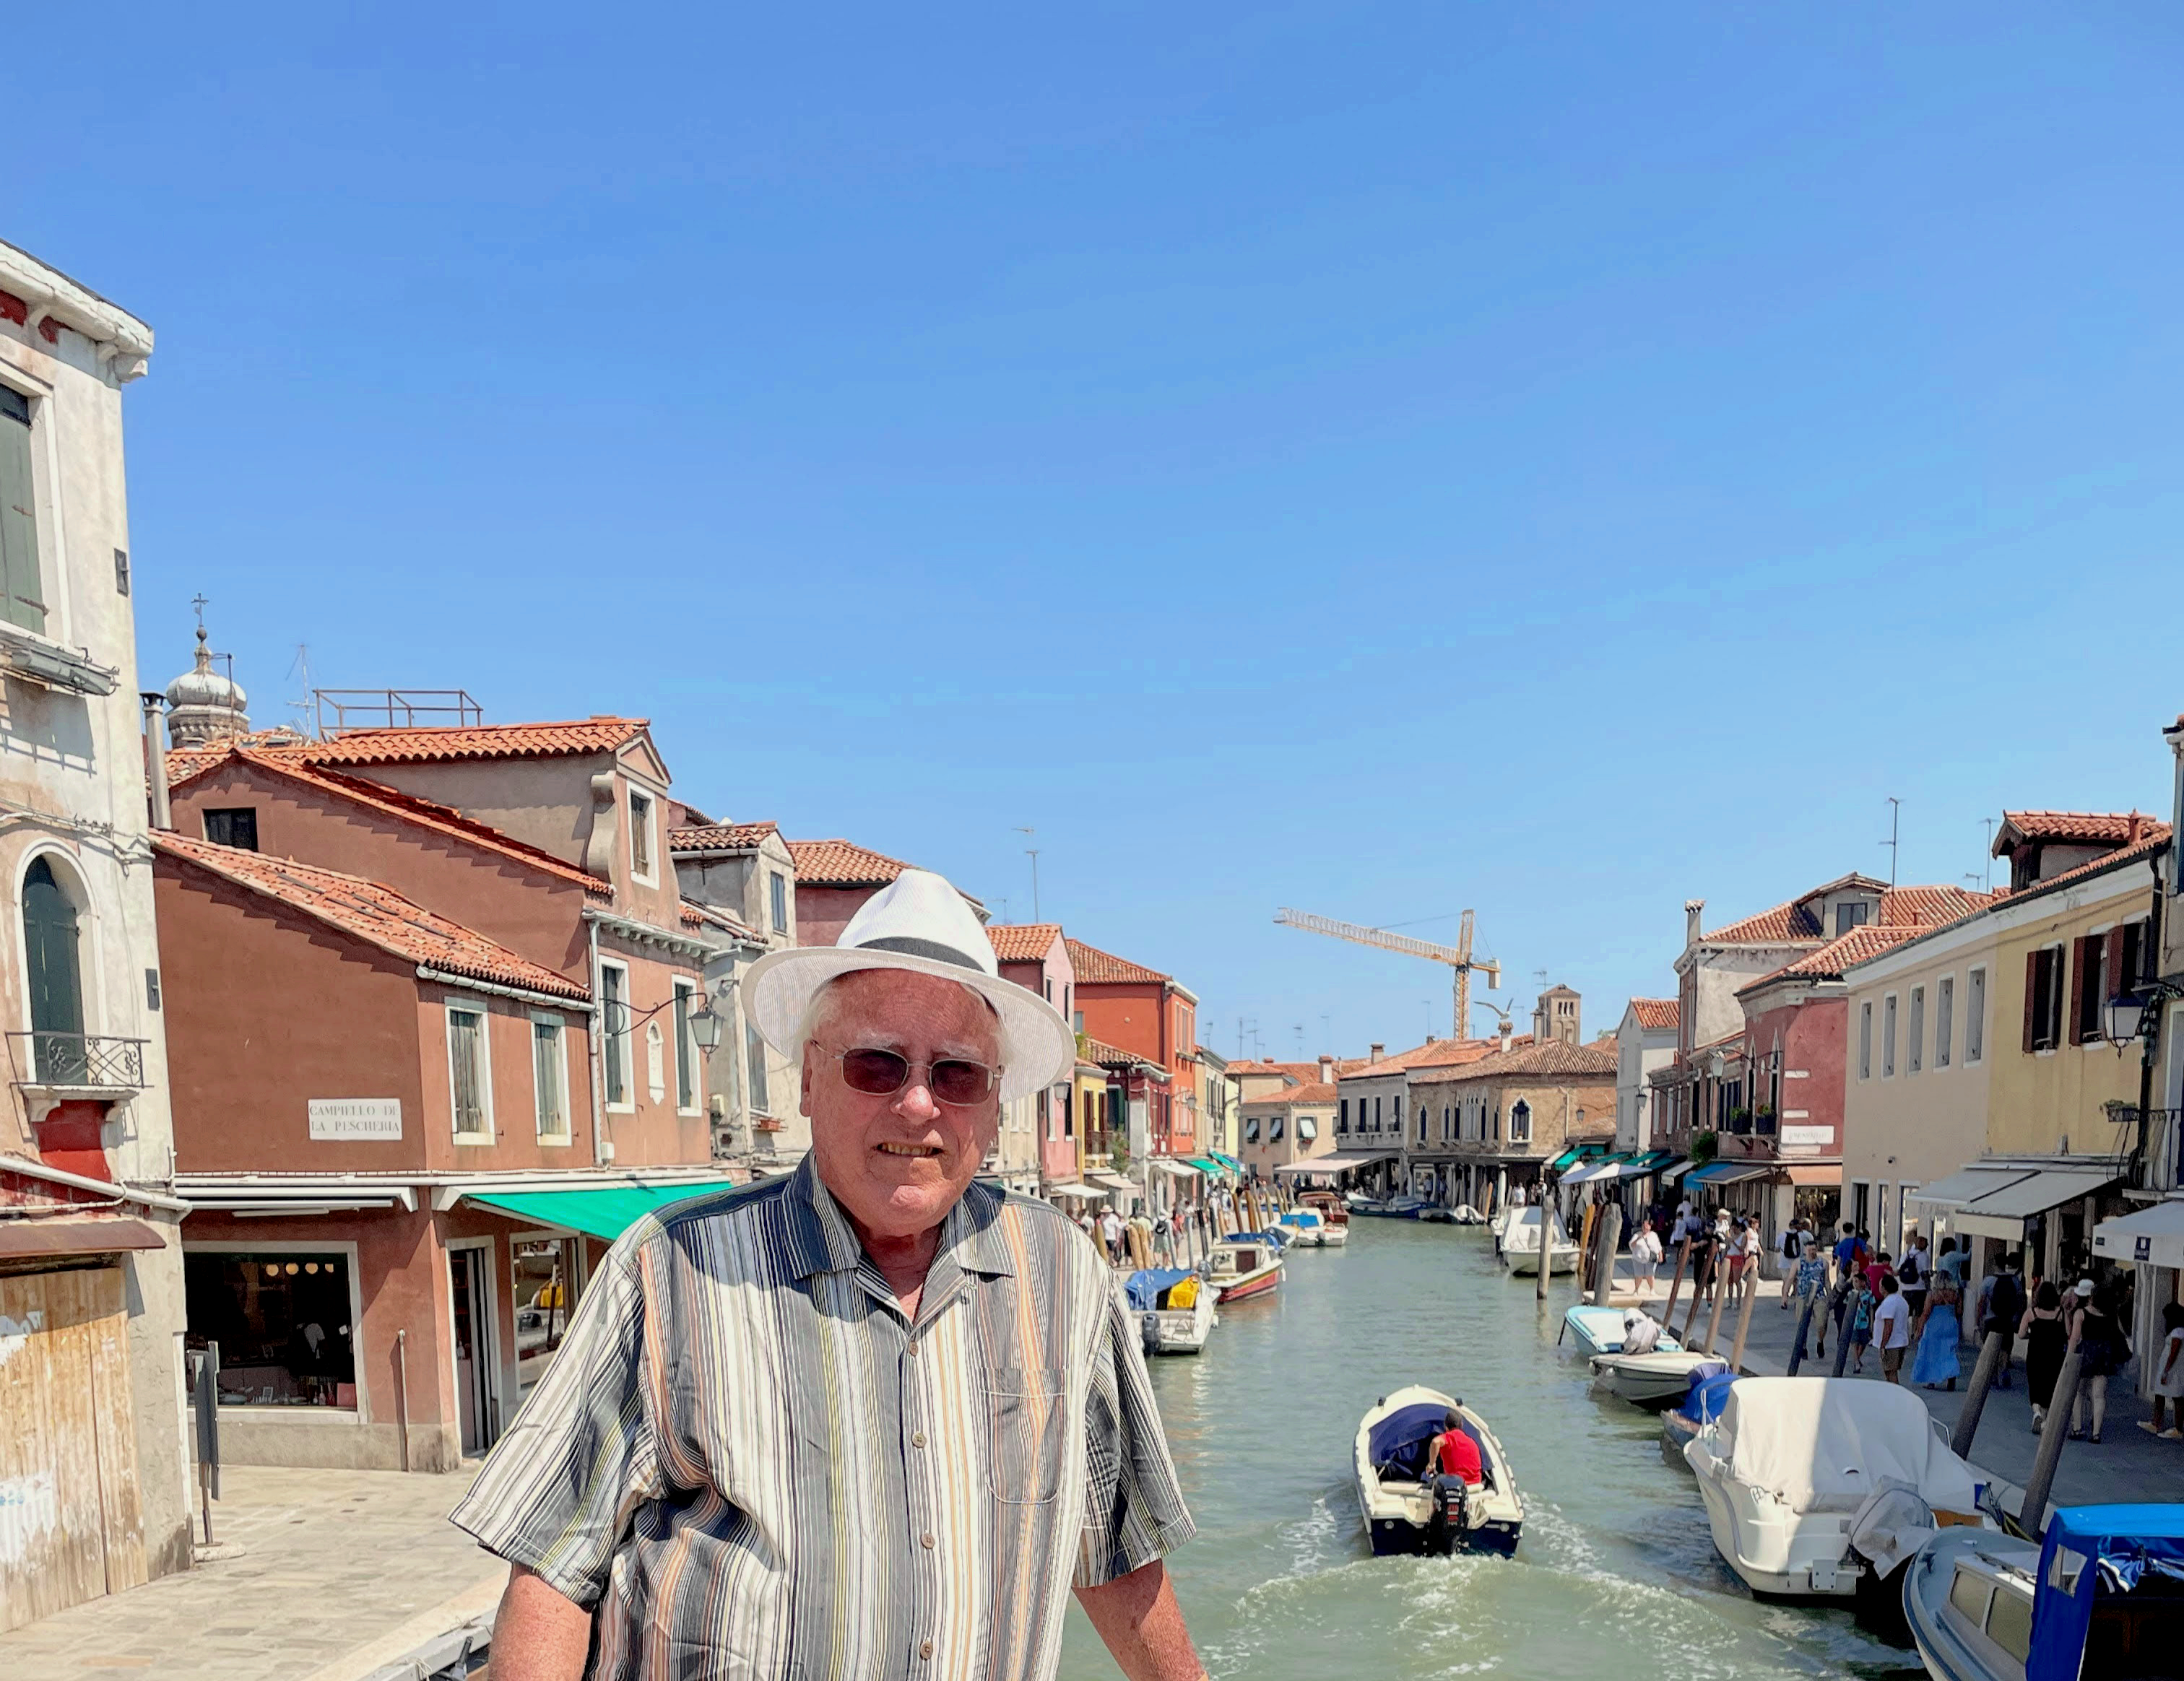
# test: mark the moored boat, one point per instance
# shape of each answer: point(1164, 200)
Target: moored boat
point(1175, 1309)
point(1704, 1393)
point(1330, 1205)
point(1520, 1243)
point(1408, 1508)
point(1600, 1330)
point(1311, 1230)
point(1813, 1485)
point(1656, 1380)
point(2099, 1596)
point(1242, 1267)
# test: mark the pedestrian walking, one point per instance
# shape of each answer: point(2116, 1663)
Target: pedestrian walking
point(1646, 1258)
point(1892, 1328)
point(1939, 1363)
point(1111, 1232)
point(675, 1496)
point(1950, 1259)
point(2169, 1377)
point(1811, 1284)
point(1912, 1272)
point(2104, 1350)
point(2047, 1334)
point(1860, 1308)
point(2002, 1304)
point(1792, 1249)
point(1846, 1251)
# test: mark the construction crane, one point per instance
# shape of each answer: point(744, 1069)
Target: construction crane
point(1458, 956)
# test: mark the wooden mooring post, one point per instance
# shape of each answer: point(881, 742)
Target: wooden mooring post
point(2032, 1510)
point(1968, 1421)
point(1610, 1233)
point(1751, 1286)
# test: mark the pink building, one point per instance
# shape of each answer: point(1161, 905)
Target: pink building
point(1036, 957)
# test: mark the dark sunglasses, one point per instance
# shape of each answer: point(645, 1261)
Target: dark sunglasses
point(881, 1073)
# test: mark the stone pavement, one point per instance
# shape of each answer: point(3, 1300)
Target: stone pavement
point(341, 1570)
point(2127, 1465)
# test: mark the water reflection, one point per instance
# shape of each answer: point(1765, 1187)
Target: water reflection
point(1616, 1574)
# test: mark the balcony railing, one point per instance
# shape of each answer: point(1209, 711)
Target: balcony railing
point(95, 1062)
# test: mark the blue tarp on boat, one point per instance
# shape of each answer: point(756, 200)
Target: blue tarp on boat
point(1144, 1290)
point(1399, 1441)
point(2089, 1551)
point(1709, 1392)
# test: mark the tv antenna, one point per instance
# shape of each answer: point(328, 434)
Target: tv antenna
point(1895, 812)
point(1033, 853)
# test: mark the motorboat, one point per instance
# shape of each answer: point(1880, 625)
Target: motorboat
point(1244, 1267)
point(1175, 1309)
point(2099, 1596)
point(1389, 1208)
point(1520, 1243)
point(1813, 1485)
point(1599, 1330)
point(1654, 1381)
point(1408, 1508)
point(1330, 1205)
point(1704, 1392)
point(1313, 1232)
point(1465, 1215)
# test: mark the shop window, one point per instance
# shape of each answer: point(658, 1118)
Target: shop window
point(546, 1273)
point(282, 1321)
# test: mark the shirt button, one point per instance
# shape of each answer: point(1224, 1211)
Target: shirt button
point(925, 1650)
point(911, 1350)
point(925, 1540)
point(917, 1440)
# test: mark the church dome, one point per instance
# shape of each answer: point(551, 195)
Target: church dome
point(202, 704)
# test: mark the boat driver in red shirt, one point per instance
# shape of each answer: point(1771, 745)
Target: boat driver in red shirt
point(1454, 1454)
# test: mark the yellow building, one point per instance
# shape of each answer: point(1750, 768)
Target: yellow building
point(2072, 933)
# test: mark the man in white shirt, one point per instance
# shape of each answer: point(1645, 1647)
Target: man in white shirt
point(1892, 1327)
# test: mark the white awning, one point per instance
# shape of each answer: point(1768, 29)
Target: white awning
point(1676, 1170)
point(1072, 1189)
point(2001, 1213)
point(1336, 1164)
point(1967, 1185)
point(1113, 1182)
point(2155, 1235)
point(1181, 1170)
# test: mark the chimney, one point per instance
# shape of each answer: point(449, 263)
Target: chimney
point(1691, 908)
point(1505, 1036)
point(155, 760)
point(2134, 828)
point(1327, 1071)
point(1378, 1051)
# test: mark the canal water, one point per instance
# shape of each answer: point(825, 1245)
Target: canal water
point(1616, 1576)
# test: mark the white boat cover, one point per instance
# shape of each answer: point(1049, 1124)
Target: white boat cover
point(1829, 1443)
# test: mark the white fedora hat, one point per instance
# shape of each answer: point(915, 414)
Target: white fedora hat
point(920, 923)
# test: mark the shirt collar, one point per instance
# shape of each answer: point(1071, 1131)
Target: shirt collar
point(970, 1235)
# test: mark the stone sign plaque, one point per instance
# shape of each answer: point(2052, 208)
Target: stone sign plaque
point(344, 1120)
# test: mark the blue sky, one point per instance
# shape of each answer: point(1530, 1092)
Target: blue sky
point(1560, 461)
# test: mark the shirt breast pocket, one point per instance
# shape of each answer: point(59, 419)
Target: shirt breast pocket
point(1026, 1434)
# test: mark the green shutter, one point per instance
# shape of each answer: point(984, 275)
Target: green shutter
point(25, 602)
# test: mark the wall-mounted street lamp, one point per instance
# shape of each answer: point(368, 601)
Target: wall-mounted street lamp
point(2136, 1017)
point(705, 1025)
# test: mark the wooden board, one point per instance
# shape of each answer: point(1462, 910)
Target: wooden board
point(71, 1522)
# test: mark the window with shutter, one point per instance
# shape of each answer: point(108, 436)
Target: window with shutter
point(1914, 1043)
point(614, 1030)
point(1974, 1015)
point(25, 599)
point(2044, 998)
point(1944, 1006)
point(469, 1072)
point(1865, 1040)
point(2085, 992)
point(1888, 1037)
point(755, 1059)
point(549, 1077)
point(686, 1053)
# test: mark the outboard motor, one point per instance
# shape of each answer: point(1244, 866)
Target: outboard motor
point(1452, 1513)
point(1151, 1329)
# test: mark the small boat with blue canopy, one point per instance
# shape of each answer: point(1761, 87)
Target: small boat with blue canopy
point(1314, 1231)
point(1175, 1309)
point(1706, 1392)
point(1408, 1506)
point(2102, 1597)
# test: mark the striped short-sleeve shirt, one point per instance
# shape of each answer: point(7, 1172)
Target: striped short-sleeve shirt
point(751, 1463)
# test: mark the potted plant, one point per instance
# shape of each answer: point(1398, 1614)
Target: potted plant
point(1704, 1147)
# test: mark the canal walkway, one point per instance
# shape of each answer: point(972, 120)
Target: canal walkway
point(338, 1572)
point(2128, 1464)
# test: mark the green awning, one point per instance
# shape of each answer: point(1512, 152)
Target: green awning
point(1653, 1160)
point(1229, 1162)
point(596, 1210)
point(1564, 1160)
point(1204, 1166)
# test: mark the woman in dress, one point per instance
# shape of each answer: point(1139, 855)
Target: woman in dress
point(2046, 1336)
point(2105, 1351)
point(1939, 1332)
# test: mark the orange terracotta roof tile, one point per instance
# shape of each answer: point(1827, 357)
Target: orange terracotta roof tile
point(842, 864)
point(1658, 1012)
point(407, 808)
point(1023, 942)
point(1434, 1053)
point(1095, 968)
point(697, 915)
point(2110, 828)
point(719, 836)
point(1829, 962)
point(185, 762)
point(1552, 1059)
point(1929, 907)
point(373, 913)
point(2157, 841)
point(1109, 1056)
point(1785, 924)
point(1316, 1091)
point(404, 745)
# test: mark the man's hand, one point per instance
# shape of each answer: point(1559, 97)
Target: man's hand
point(540, 1634)
point(1137, 1617)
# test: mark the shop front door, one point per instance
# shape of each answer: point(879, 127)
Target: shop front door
point(471, 1281)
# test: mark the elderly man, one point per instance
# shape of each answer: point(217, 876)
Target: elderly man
point(868, 1420)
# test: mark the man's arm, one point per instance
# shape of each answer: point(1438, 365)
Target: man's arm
point(1137, 1617)
point(538, 1634)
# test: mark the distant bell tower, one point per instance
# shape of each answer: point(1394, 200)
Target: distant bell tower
point(202, 704)
point(1558, 1016)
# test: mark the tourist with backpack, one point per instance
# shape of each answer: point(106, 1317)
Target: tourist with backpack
point(2002, 1304)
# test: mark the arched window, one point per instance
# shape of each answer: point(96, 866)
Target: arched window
point(53, 949)
point(1520, 1123)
